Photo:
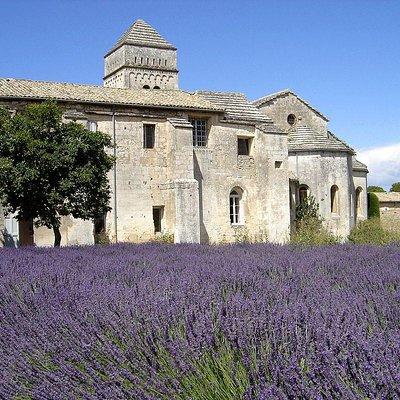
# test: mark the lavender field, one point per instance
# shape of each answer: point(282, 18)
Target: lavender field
point(200, 322)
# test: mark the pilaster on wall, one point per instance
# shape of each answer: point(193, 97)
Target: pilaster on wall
point(186, 188)
point(187, 223)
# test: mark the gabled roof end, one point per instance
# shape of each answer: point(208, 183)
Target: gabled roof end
point(265, 99)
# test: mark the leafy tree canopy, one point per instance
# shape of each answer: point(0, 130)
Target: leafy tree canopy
point(375, 189)
point(49, 168)
point(395, 187)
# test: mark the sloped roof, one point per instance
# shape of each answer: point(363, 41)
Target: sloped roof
point(39, 90)
point(306, 139)
point(236, 105)
point(359, 166)
point(283, 93)
point(270, 127)
point(180, 123)
point(142, 34)
point(388, 197)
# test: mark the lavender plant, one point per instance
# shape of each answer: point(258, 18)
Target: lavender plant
point(160, 321)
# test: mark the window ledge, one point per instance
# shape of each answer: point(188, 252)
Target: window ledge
point(238, 225)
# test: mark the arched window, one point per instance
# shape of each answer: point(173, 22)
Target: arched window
point(235, 206)
point(334, 199)
point(156, 87)
point(291, 119)
point(303, 193)
point(358, 201)
point(146, 87)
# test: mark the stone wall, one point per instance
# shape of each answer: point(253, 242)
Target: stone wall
point(192, 185)
point(219, 169)
point(360, 183)
point(133, 67)
point(320, 171)
point(390, 215)
point(73, 232)
point(280, 108)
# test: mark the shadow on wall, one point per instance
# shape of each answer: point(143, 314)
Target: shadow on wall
point(7, 240)
point(204, 238)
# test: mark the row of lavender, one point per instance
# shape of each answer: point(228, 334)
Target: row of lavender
point(200, 322)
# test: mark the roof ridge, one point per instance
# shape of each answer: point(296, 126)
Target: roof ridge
point(89, 85)
point(272, 96)
point(340, 140)
point(8, 79)
point(221, 92)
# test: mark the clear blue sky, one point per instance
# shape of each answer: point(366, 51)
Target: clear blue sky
point(341, 56)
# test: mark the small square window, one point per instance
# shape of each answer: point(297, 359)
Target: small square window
point(278, 164)
point(243, 146)
point(149, 136)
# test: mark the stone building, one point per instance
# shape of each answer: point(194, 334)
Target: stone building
point(198, 167)
point(389, 207)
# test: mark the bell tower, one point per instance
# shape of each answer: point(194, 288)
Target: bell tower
point(141, 59)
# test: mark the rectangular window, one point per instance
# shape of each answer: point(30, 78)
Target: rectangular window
point(199, 132)
point(234, 208)
point(243, 146)
point(157, 218)
point(92, 126)
point(148, 136)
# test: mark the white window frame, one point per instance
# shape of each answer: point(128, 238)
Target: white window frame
point(235, 208)
point(92, 126)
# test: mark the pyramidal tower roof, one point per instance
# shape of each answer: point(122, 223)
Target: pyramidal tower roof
point(140, 33)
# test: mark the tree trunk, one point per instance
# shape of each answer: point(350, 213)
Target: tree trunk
point(57, 236)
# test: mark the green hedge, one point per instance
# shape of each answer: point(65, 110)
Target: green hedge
point(373, 206)
point(371, 231)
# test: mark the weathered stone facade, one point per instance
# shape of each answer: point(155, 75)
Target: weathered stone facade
point(389, 207)
point(141, 59)
point(320, 162)
point(219, 169)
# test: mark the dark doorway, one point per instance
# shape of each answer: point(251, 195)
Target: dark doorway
point(157, 218)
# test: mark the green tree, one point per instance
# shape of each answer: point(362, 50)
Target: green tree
point(395, 187)
point(309, 225)
point(375, 189)
point(308, 208)
point(373, 206)
point(49, 168)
